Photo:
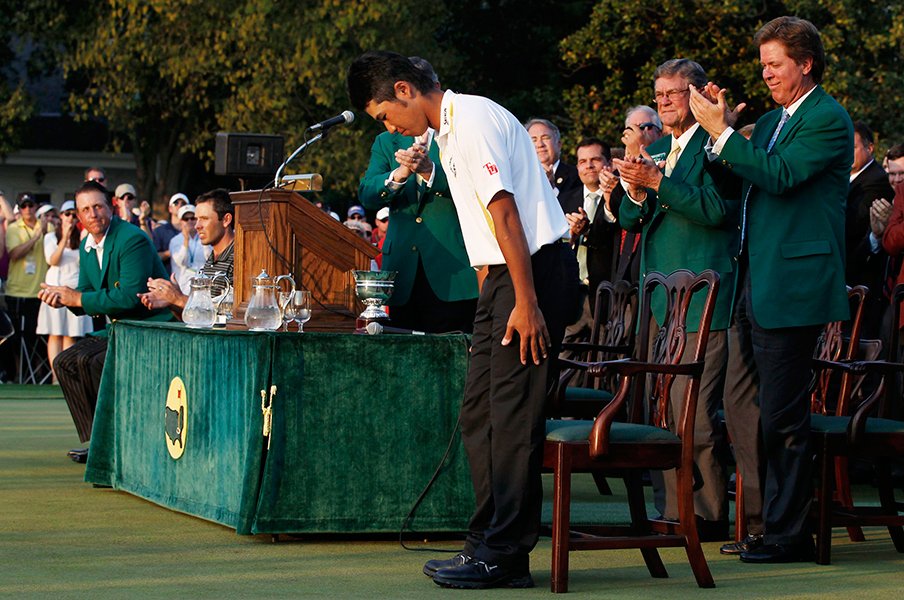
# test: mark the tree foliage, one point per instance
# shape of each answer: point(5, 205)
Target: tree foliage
point(612, 58)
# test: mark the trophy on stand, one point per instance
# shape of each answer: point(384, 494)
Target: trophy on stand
point(374, 288)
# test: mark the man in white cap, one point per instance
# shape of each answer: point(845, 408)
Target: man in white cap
point(165, 232)
point(187, 253)
point(357, 222)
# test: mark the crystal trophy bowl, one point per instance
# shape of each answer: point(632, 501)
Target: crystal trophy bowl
point(374, 288)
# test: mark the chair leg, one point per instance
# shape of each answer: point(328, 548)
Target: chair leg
point(601, 484)
point(887, 501)
point(561, 519)
point(689, 527)
point(824, 500)
point(641, 525)
point(740, 508)
point(843, 493)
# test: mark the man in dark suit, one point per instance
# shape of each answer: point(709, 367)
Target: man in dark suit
point(866, 260)
point(688, 213)
point(115, 261)
point(592, 214)
point(796, 168)
point(548, 144)
point(436, 287)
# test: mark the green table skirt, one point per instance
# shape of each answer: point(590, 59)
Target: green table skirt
point(360, 424)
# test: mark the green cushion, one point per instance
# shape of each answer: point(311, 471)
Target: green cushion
point(578, 431)
point(581, 393)
point(830, 424)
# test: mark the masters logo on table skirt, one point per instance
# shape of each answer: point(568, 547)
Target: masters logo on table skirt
point(176, 421)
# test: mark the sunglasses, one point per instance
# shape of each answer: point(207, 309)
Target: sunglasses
point(98, 179)
point(128, 197)
point(189, 218)
point(645, 126)
point(27, 204)
point(356, 217)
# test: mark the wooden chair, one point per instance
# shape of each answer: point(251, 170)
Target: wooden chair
point(862, 431)
point(643, 442)
point(578, 394)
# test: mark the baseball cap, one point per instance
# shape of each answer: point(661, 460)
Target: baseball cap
point(67, 205)
point(383, 213)
point(188, 208)
point(125, 188)
point(45, 208)
point(356, 210)
point(178, 196)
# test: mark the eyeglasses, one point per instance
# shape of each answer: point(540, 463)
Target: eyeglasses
point(645, 126)
point(180, 202)
point(672, 95)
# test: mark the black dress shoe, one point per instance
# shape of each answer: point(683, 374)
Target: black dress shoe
point(79, 455)
point(749, 543)
point(478, 575)
point(432, 566)
point(781, 553)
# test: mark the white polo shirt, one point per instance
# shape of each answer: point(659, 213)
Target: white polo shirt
point(484, 149)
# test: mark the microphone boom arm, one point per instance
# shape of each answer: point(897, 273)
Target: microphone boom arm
point(298, 151)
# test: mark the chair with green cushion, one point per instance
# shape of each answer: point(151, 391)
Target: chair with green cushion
point(865, 430)
point(611, 336)
point(642, 441)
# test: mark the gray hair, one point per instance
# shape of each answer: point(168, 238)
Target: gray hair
point(683, 67)
point(652, 115)
point(531, 122)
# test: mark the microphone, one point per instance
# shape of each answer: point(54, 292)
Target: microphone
point(374, 328)
point(346, 117)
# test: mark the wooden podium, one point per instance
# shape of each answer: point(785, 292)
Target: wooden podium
point(319, 252)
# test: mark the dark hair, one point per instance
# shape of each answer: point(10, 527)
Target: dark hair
point(73, 236)
point(895, 152)
point(683, 67)
point(800, 39)
point(373, 75)
point(863, 130)
point(93, 186)
point(593, 141)
point(222, 204)
point(426, 67)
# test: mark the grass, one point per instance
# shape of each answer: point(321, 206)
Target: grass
point(62, 538)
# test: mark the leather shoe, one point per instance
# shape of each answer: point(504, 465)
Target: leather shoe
point(432, 566)
point(79, 455)
point(781, 553)
point(750, 542)
point(477, 575)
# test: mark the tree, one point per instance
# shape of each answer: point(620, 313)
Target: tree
point(169, 74)
point(611, 60)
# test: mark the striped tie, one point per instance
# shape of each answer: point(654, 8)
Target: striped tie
point(778, 129)
point(672, 159)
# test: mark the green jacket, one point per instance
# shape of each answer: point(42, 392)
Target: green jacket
point(691, 224)
point(796, 212)
point(423, 225)
point(129, 259)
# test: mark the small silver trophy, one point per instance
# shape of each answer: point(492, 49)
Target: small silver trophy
point(374, 288)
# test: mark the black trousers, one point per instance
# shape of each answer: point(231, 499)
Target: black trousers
point(20, 309)
point(502, 415)
point(78, 370)
point(424, 311)
point(782, 358)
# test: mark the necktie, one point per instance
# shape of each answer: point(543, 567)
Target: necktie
point(672, 159)
point(591, 207)
point(778, 129)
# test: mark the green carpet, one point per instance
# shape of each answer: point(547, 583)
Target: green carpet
point(61, 538)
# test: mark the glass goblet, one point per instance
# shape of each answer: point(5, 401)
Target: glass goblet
point(287, 308)
point(301, 303)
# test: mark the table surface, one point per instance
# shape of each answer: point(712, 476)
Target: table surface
point(360, 424)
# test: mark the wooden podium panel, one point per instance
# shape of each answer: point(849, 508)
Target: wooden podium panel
point(319, 252)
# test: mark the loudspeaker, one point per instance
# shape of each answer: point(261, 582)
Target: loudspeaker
point(248, 154)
